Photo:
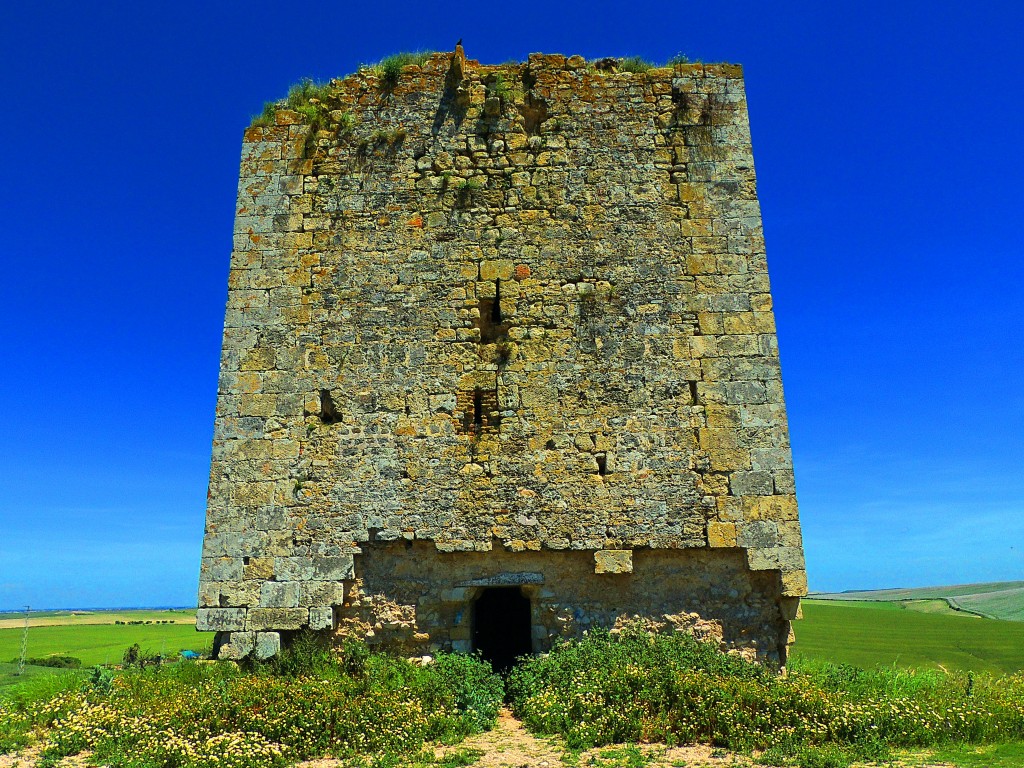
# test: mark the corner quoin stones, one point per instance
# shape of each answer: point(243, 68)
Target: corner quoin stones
point(502, 326)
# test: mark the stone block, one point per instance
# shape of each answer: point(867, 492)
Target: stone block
point(771, 458)
point(794, 583)
point(258, 568)
point(272, 519)
point(721, 534)
point(762, 534)
point(789, 534)
point(613, 561)
point(321, 618)
point(220, 619)
point(321, 592)
point(776, 558)
point(751, 484)
point(239, 645)
point(276, 618)
point(209, 594)
point(222, 568)
point(294, 568)
point(498, 269)
point(333, 568)
point(268, 644)
point(279, 594)
point(778, 508)
point(789, 607)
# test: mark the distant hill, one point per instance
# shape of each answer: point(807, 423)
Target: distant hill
point(994, 600)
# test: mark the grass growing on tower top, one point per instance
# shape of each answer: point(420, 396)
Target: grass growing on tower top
point(390, 67)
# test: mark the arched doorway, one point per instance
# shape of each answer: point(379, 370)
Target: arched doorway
point(501, 626)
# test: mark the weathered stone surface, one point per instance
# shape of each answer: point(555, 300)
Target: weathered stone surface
point(220, 619)
point(321, 618)
point(279, 594)
point(333, 568)
point(267, 644)
point(721, 534)
point(276, 618)
point(613, 561)
point(238, 646)
point(789, 607)
point(526, 327)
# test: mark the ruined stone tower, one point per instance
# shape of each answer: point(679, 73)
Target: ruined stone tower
point(500, 365)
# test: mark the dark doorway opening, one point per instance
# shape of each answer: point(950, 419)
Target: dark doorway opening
point(501, 626)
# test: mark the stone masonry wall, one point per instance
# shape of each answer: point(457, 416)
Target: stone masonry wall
point(520, 310)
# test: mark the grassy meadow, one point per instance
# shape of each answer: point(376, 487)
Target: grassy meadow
point(868, 634)
point(94, 638)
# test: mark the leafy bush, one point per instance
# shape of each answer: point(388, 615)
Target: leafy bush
point(308, 653)
point(59, 662)
point(345, 705)
point(671, 688)
point(477, 691)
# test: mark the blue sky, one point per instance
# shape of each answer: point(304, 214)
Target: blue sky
point(887, 142)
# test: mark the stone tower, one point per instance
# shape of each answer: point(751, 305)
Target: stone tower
point(500, 365)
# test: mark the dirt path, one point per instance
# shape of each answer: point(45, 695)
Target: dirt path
point(510, 745)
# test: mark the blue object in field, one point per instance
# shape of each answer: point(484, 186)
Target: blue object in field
point(189, 655)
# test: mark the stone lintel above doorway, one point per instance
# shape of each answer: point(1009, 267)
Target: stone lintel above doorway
point(506, 579)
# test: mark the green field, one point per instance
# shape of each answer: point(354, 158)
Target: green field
point(867, 634)
point(996, 600)
point(103, 643)
point(53, 618)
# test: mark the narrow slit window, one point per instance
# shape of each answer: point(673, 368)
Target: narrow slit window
point(478, 409)
point(693, 391)
point(491, 322)
point(496, 306)
point(602, 463)
point(328, 411)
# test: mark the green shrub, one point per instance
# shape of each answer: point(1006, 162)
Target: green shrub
point(499, 87)
point(304, 92)
point(23, 706)
point(308, 653)
point(635, 687)
point(58, 662)
point(477, 691)
point(264, 119)
point(310, 702)
point(635, 64)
